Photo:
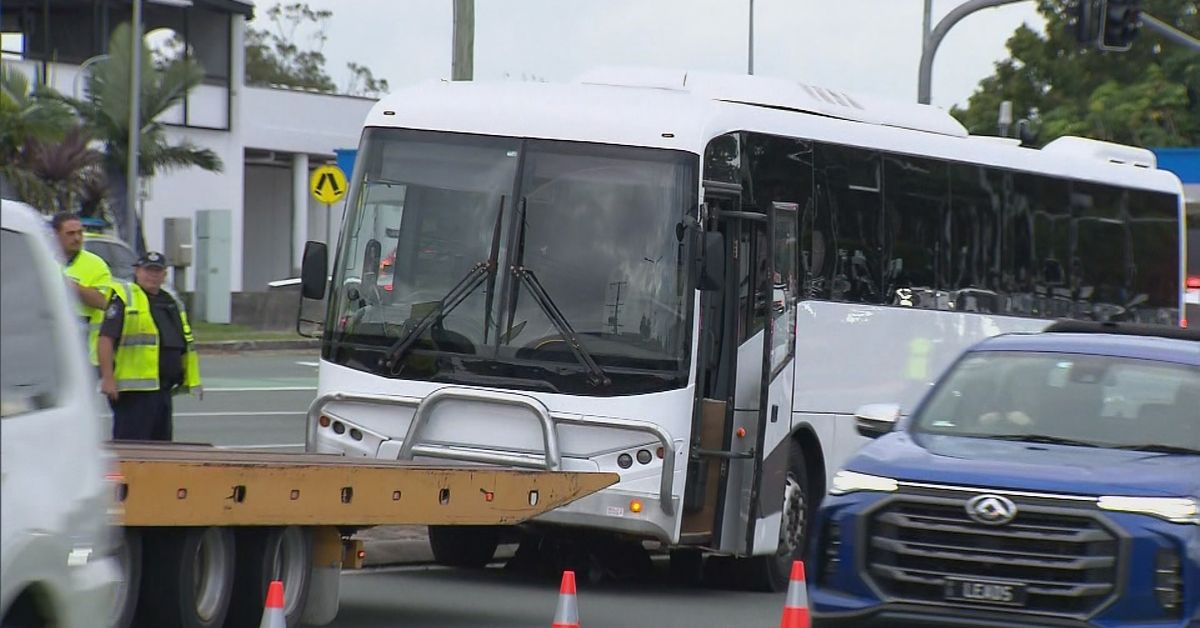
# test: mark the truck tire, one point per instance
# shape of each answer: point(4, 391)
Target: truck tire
point(187, 577)
point(125, 597)
point(771, 572)
point(464, 546)
point(263, 555)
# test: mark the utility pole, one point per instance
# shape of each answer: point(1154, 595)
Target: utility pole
point(135, 125)
point(462, 63)
point(934, 38)
point(750, 43)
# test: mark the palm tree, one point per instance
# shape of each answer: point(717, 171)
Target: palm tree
point(26, 116)
point(106, 113)
point(64, 171)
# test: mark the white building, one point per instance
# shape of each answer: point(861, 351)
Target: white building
point(268, 139)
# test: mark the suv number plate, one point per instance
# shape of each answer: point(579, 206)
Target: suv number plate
point(985, 592)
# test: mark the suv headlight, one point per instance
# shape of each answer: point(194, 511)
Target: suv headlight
point(1173, 509)
point(852, 482)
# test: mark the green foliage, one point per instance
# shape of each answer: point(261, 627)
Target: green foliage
point(44, 155)
point(106, 114)
point(273, 58)
point(1147, 96)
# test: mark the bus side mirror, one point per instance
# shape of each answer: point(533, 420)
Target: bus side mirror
point(712, 268)
point(314, 273)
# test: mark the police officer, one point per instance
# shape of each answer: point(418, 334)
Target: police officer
point(146, 354)
point(89, 275)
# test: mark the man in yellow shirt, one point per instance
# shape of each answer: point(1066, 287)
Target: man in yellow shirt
point(89, 275)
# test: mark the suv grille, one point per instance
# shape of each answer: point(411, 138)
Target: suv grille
point(1067, 559)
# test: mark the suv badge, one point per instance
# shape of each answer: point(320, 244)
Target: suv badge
point(993, 510)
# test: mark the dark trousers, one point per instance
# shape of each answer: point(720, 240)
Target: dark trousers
point(143, 415)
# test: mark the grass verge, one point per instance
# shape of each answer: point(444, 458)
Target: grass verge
point(215, 332)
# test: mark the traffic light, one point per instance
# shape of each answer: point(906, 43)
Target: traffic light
point(1119, 23)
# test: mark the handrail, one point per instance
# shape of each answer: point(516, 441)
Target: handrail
point(552, 459)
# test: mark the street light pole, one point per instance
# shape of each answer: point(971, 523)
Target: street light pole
point(934, 38)
point(135, 124)
point(750, 51)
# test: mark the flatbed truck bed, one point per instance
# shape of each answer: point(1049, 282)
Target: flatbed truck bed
point(204, 530)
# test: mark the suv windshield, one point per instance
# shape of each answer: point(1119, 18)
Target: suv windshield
point(1092, 400)
point(481, 260)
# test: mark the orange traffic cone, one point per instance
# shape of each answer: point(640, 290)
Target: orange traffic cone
point(273, 613)
point(795, 608)
point(567, 614)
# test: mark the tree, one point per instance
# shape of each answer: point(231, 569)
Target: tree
point(62, 173)
point(1147, 96)
point(106, 114)
point(27, 117)
point(272, 57)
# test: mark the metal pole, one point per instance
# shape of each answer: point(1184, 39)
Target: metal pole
point(1170, 32)
point(927, 22)
point(135, 122)
point(934, 39)
point(462, 63)
point(750, 43)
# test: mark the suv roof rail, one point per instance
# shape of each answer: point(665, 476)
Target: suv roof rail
point(1128, 329)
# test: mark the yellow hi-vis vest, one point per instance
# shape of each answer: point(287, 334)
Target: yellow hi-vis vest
point(137, 352)
point(91, 271)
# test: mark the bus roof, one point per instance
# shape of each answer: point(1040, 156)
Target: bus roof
point(680, 110)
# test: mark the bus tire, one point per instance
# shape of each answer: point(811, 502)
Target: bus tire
point(263, 555)
point(187, 577)
point(125, 596)
point(771, 572)
point(464, 546)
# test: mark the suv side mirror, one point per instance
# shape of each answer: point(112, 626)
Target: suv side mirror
point(712, 269)
point(314, 273)
point(876, 419)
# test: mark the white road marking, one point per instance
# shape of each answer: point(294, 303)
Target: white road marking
point(260, 389)
point(309, 363)
point(283, 446)
point(238, 413)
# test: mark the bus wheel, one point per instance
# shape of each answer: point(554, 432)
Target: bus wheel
point(187, 575)
point(770, 573)
point(263, 555)
point(464, 546)
point(125, 594)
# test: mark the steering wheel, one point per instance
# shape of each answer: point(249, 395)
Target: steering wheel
point(553, 344)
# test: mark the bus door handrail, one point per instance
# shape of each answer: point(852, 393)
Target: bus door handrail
point(549, 422)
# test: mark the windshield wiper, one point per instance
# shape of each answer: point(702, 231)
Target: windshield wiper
point(1043, 438)
point(459, 293)
point(596, 375)
point(1159, 448)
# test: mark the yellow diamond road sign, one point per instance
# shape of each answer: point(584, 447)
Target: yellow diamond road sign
point(328, 184)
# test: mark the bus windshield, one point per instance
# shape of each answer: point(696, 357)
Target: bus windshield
point(533, 264)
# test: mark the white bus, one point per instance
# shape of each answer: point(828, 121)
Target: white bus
point(693, 281)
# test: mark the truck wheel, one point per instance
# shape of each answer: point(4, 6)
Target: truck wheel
point(464, 546)
point(187, 577)
point(771, 573)
point(125, 596)
point(263, 555)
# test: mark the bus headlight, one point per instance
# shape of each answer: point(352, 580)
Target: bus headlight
point(852, 482)
point(1173, 509)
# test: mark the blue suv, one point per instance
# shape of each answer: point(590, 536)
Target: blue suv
point(1047, 479)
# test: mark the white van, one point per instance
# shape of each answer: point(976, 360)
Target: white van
point(56, 541)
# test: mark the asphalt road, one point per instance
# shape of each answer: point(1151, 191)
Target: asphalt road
point(253, 399)
point(430, 597)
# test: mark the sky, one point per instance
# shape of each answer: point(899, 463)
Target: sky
point(858, 46)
